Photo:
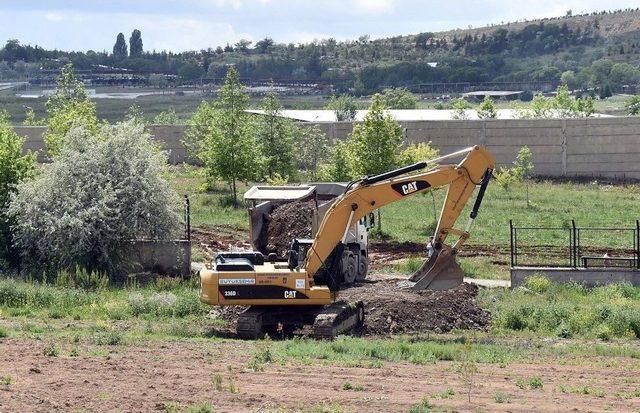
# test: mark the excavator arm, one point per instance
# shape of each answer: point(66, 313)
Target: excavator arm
point(371, 193)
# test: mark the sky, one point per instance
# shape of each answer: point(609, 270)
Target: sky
point(180, 25)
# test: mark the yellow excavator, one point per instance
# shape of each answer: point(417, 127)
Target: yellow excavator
point(303, 290)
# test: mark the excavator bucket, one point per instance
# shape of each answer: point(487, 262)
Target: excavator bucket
point(439, 272)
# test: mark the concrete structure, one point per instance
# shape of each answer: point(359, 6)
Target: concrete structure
point(588, 147)
point(494, 94)
point(589, 277)
point(159, 257)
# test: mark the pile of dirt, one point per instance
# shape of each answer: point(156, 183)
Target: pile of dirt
point(392, 308)
point(285, 223)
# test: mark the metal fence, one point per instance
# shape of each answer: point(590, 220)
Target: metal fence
point(570, 246)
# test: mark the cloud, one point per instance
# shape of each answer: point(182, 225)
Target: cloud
point(374, 6)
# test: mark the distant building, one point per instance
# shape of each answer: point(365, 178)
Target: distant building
point(493, 94)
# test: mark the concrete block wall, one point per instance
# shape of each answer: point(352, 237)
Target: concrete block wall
point(592, 147)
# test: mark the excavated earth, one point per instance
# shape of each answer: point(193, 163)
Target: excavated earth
point(392, 308)
point(286, 223)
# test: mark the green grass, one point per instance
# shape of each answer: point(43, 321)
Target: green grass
point(566, 310)
point(552, 204)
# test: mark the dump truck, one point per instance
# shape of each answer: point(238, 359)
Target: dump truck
point(263, 200)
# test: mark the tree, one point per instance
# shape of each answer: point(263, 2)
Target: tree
point(487, 109)
point(312, 150)
point(135, 43)
point(67, 107)
point(263, 45)
point(230, 150)
point(523, 168)
point(375, 144)
point(14, 168)
point(120, 48)
point(418, 152)
point(632, 105)
point(276, 138)
point(339, 167)
point(399, 98)
point(344, 107)
point(103, 190)
point(460, 107)
point(569, 79)
point(243, 45)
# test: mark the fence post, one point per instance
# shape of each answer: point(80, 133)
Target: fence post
point(511, 238)
point(574, 251)
point(638, 244)
point(187, 220)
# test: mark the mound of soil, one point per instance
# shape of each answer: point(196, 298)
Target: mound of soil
point(285, 223)
point(392, 308)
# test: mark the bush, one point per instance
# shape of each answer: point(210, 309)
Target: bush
point(399, 98)
point(102, 191)
point(537, 283)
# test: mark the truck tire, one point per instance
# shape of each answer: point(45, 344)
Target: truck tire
point(363, 267)
point(349, 268)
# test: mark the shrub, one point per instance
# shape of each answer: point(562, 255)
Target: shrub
point(399, 98)
point(343, 106)
point(102, 191)
point(537, 283)
point(535, 382)
point(487, 109)
point(51, 350)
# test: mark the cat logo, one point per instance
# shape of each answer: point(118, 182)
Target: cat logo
point(290, 294)
point(409, 187)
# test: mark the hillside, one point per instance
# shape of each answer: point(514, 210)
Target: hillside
point(598, 51)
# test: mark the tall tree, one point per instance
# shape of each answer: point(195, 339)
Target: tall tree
point(120, 48)
point(69, 106)
point(376, 143)
point(231, 150)
point(276, 137)
point(135, 43)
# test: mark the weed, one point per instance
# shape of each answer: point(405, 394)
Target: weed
point(3, 333)
point(446, 394)
point(262, 356)
point(347, 385)
point(593, 391)
point(233, 389)
point(422, 407)
point(521, 384)
point(217, 382)
point(500, 397)
point(467, 368)
point(5, 381)
point(110, 338)
point(75, 352)
point(204, 407)
point(51, 350)
point(535, 382)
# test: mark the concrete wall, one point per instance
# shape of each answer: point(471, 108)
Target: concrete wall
point(592, 147)
point(159, 257)
point(589, 277)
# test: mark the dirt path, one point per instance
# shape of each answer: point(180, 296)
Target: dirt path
point(151, 377)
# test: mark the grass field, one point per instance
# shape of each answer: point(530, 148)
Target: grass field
point(114, 109)
point(551, 204)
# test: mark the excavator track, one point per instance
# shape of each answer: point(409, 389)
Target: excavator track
point(338, 318)
point(250, 324)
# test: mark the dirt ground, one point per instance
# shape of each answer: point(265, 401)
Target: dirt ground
point(151, 377)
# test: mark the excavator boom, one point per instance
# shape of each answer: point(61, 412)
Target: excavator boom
point(375, 192)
